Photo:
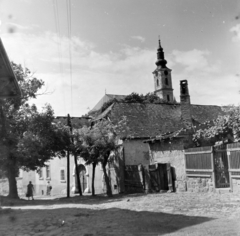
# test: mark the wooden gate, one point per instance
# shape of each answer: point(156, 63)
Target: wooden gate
point(209, 162)
point(221, 167)
point(221, 163)
point(199, 162)
point(134, 179)
point(159, 177)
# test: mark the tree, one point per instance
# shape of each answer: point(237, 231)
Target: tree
point(86, 140)
point(29, 137)
point(225, 129)
point(98, 142)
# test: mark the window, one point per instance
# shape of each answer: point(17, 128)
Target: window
point(157, 82)
point(168, 98)
point(48, 174)
point(62, 175)
point(166, 81)
point(40, 174)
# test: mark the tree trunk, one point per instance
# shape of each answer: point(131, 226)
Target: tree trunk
point(106, 177)
point(77, 176)
point(93, 178)
point(13, 193)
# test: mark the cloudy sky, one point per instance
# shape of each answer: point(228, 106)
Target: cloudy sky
point(84, 48)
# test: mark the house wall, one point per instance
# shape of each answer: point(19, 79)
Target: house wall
point(171, 152)
point(59, 187)
point(136, 152)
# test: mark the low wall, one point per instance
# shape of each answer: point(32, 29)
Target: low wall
point(236, 185)
point(199, 184)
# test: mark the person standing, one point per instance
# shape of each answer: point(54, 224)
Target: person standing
point(49, 188)
point(30, 189)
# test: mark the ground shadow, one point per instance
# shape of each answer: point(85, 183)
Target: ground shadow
point(87, 199)
point(112, 221)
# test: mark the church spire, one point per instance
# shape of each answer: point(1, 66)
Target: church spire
point(162, 77)
point(161, 62)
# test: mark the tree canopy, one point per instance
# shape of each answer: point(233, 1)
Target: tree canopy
point(29, 137)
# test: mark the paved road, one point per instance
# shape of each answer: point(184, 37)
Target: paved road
point(153, 214)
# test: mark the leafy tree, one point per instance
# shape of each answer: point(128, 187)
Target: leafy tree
point(108, 104)
point(29, 137)
point(134, 98)
point(97, 143)
point(225, 129)
point(88, 150)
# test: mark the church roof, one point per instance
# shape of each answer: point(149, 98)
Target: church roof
point(151, 120)
point(106, 98)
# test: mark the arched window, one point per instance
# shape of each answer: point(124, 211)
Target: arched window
point(157, 82)
point(166, 81)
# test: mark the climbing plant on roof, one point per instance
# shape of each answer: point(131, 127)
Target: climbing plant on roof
point(136, 98)
point(226, 128)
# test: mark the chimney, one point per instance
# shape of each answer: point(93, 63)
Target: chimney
point(185, 103)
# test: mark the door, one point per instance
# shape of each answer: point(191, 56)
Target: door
point(163, 176)
point(221, 169)
point(159, 177)
point(82, 177)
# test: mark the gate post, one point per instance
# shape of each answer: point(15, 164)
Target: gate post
point(213, 169)
point(230, 173)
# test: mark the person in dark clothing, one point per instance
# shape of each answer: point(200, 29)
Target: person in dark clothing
point(49, 188)
point(30, 190)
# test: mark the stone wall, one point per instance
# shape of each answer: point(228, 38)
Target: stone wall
point(236, 185)
point(199, 184)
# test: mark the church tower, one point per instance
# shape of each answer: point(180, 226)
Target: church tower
point(162, 77)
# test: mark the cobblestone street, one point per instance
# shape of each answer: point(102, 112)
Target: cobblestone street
point(152, 214)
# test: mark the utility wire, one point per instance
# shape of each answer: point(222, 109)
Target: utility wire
point(68, 2)
point(59, 45)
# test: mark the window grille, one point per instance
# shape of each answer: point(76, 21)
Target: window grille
point(62, 175)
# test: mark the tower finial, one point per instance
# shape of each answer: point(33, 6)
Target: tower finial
point(159, 41)
point(160, 55)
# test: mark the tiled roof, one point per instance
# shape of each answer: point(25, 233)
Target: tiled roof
point(77, 122)
point(151, 120)
point(8, 83)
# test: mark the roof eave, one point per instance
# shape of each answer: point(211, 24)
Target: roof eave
point(9, 68)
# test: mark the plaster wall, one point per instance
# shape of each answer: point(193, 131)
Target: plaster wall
point(136, 152)
point(169, 152)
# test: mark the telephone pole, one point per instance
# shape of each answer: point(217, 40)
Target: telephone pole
point(68, 164)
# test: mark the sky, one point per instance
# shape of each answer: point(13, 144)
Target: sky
point(83, 49)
